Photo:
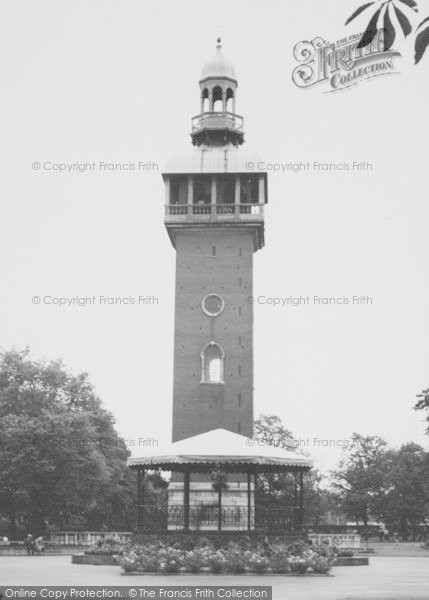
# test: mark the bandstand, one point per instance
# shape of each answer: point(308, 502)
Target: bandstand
point(196, 501)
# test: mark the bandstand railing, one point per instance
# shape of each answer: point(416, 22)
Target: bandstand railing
point(206, 518)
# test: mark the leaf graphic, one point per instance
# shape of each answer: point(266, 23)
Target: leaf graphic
point(389, 31)
point(358, 11)
point(411, 4)
point(370, 31)
point(423, 22)
point(403, 21)
point(422, 41)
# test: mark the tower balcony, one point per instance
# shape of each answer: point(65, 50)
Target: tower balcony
point(217, 120)
point(209, 127)
point(214, 212)
point(205, 200)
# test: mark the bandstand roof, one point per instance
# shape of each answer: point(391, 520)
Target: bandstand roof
point(220, 446)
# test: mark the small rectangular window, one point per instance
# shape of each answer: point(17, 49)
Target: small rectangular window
point(213, 250)
point(239, 428)
point(239, 369)
point(239, 281)
point(239, 311)
point(239, 399)
point(240, 252)
point(239, 340)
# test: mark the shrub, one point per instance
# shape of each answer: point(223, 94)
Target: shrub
point(258, 563)
point(106, 546)
point(216, 561)
point(279, 559)
point(131, 562)
point(320, 564)
point(235, 558)
point(170, 560)
point(297, 548)
point(300, 563)
point(195, 560)
point(149, 559)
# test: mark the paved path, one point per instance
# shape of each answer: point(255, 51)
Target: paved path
point(387, 578)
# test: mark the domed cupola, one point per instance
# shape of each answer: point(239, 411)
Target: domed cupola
point(218, 66)
point(217, 124)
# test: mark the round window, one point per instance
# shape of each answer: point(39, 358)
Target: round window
point(213, 305)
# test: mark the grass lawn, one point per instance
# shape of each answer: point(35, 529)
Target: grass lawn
point(399, 549)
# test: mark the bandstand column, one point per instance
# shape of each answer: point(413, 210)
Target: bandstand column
point(186, 482)
point(219, 507)
point(301, 499)
point(249, 502)
point(140, 498)
point(295, 501)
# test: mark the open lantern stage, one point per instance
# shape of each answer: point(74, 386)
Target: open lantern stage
point(214, 478)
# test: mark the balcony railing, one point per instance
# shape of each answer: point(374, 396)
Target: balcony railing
point(175, 212)
point(217, 120)
point(232, 518)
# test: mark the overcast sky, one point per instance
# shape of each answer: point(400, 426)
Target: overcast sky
point(118, 82)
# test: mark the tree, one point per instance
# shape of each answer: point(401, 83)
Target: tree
point(392, 485)
point(407, 482)
point(61, 460)
point(281, 488)
point(270, 431)
point(273, 487)
point(423, 404)
point(318, 499)
point(393, 17)
point(359, 480)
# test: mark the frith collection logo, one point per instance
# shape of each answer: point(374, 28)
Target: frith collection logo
point(342, 64)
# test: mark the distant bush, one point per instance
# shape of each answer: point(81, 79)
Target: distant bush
point(106, 547)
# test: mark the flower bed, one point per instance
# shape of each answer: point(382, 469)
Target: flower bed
point(104, 552)
point(298, 559)
point(351, 561)
point(94, 559)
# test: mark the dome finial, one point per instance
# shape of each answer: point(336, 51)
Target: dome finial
point(219, 43)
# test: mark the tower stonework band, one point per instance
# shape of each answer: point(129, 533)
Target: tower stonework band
point(214, 216)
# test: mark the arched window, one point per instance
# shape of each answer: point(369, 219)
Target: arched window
point(229, 100)
point(212, 357)
point(217, 99)
point(205, 104)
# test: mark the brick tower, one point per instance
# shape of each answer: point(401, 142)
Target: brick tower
point(214, 215)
